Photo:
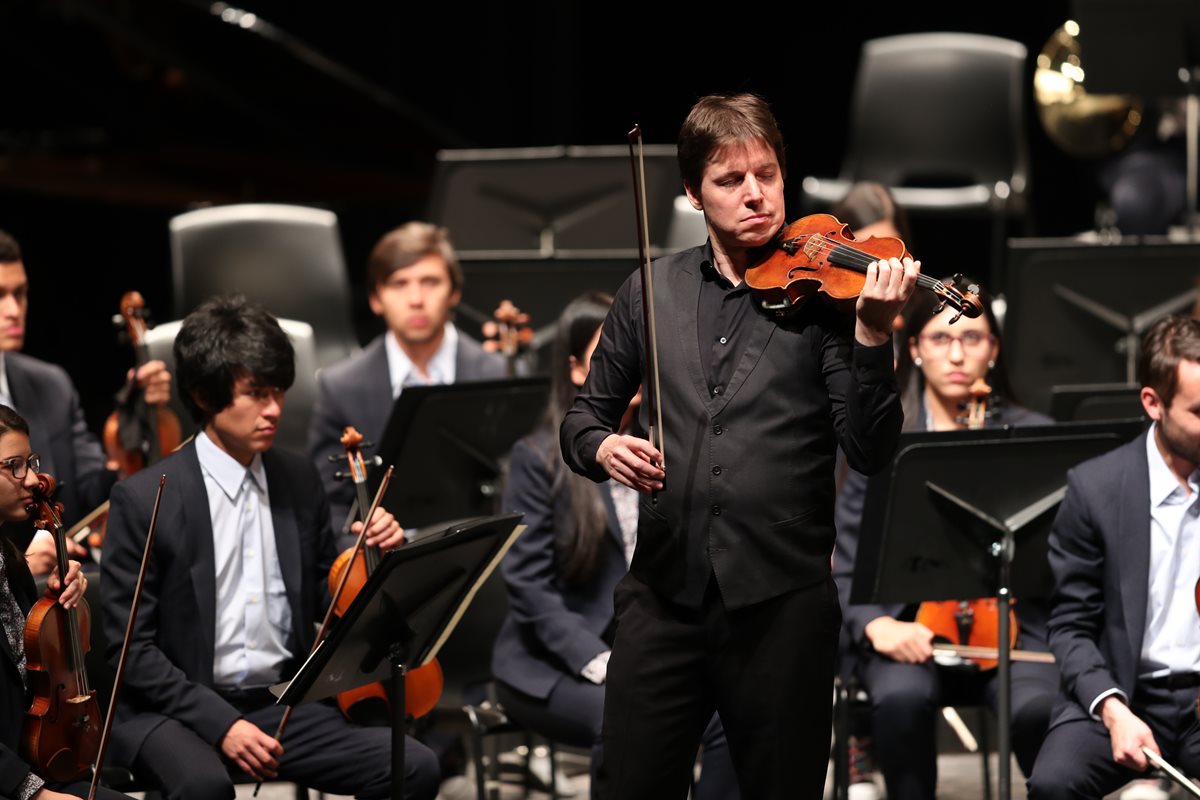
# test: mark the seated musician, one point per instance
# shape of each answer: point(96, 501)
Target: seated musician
point(416, 282)
point(1123, 625)
point(46, 396)
point(551, 655)
point(893, 653)
point(18, 476)
point(241, 554)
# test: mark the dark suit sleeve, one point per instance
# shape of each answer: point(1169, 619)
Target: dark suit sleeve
point(1078, 607)
point(531, 572)
point(848, 517)
point(150, 676)
point(613, 380)
point(861, 382)
point(325, 439)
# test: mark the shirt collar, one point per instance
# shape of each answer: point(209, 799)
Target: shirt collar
point(709, 271)
point(5, 395)
point(224, 469)
point(1163, 483)
point(441, 366)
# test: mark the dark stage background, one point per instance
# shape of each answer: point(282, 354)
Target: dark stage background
point(118, 114)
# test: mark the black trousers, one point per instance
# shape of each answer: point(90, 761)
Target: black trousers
point(905, 699)
point(574, 712)
point(766, 669)
point(1076, 759)
point(321, 750)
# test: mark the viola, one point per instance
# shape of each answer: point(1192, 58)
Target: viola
point(60, 737)
point(818, 254)
point(422, 685)
point(137, 434)
point(973, 623)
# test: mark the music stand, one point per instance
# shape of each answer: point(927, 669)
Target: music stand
point(405, 612)
point(447, 444)
point(1082, 402)
point(942, 533)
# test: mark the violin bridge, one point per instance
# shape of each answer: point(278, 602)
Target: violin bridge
point(813, 247)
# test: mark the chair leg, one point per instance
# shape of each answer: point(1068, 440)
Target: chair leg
point(553, 770)
point(841, 740)
point(985, 750)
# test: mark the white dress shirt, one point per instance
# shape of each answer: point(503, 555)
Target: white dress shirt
point(402, 372)
point(254, 616)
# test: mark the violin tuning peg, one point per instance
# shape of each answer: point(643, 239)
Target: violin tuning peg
point(939, 308)
point(956, 317)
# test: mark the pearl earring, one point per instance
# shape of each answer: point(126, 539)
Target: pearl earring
point(918, 361)
point(991, 364)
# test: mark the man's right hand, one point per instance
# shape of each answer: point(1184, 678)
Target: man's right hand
point(906, 642)
point(631, 461)
point(252, 750)
point(1127, 732)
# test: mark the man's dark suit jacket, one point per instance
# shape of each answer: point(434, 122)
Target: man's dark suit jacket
point(750, 488)
point(169, 671)
point(1100, 557)
point(554, 628)
point(46, 398)
point(13, 700)
point(358, 392)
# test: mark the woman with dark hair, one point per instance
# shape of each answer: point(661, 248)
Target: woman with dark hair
point(18, 477)
point(938, 364)
point(551, 655)
point(870, 210)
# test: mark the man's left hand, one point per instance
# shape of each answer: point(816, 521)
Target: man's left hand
point(889, 284)
point(75, 587)
point(385, 531)
point(155, 382)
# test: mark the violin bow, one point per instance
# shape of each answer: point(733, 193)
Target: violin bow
point(358, 546)
point(133, 610)
point(650, 383)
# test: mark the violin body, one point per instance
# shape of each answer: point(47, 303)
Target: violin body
point(166, 438)
point(422, 685)
point(970, 622)
point(818, 254)
point(804, 259)
point(61, 733)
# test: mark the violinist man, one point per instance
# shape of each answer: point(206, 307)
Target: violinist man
point(1123, 551)
point(416, 282)
point(729, 604)
point(45, 395)
point(241, 556)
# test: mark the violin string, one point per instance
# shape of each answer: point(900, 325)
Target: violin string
point(860, 260)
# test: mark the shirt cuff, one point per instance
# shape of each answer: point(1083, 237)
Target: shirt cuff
point(29, 787)
point(1100, 697)
point(596, 670)
point(874, 363)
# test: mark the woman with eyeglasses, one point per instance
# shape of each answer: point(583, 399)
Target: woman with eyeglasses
point(18, 477)
point(938, 364)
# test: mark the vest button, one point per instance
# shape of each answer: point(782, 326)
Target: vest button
point(718, 430)
point(716, 470)
point(716, 511)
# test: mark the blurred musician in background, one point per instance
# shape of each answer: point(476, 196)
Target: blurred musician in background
point(1123, 550)
point(45, 395)
point(891, 653)
point(415, 283)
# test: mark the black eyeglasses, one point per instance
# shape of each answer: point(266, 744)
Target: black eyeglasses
point(19, 465)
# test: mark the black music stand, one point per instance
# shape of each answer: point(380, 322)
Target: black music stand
point(1083, 402)
point(405, 612)
point(447, 444)
point(941, 533)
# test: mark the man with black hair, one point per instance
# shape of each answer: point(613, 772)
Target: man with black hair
point(240, 560)
point(415, 284)
point(44, 394)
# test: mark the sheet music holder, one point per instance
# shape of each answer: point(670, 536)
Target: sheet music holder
point(967, 514)
point(401, 618)
point(470, 427)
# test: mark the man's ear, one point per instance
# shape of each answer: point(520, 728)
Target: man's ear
point(1152, 403)
point(693, 197)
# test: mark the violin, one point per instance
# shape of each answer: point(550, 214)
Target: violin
point(974, 624)
point(819, 254)
point(137, 434)
point(422, 685)
point(61, 734)
point(508, 332)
